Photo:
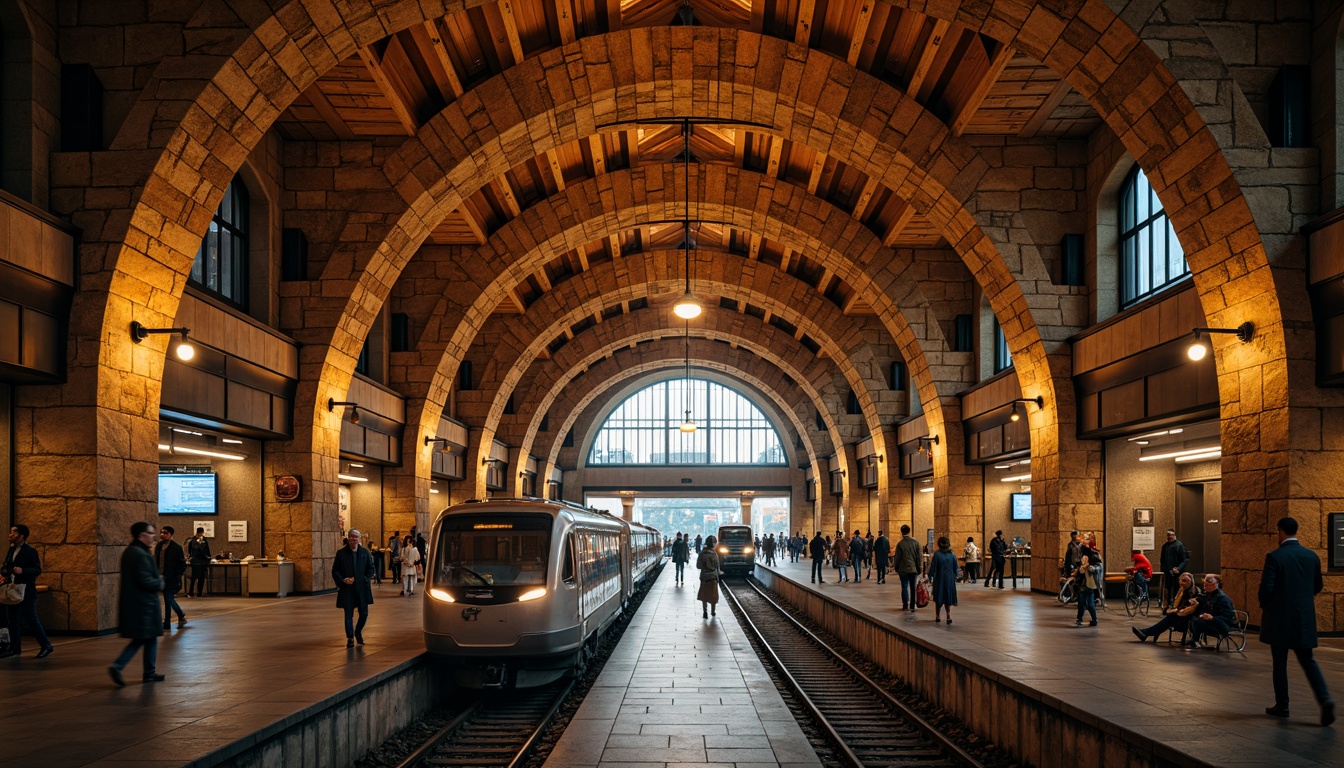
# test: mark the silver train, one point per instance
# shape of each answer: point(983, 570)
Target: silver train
point(519, 590)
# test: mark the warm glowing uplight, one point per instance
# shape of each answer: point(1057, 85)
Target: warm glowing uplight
point(687, 308)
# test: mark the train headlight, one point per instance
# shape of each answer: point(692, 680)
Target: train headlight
point(723, 550)
point(747, 550)
point(441, 595)
point(532, 594)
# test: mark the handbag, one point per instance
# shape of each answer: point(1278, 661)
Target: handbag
point(922, 591)
point(11, 593)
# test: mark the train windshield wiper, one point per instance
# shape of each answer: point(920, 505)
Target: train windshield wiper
point(478, 576)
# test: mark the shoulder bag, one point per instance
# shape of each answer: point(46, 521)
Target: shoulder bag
point(11, 593)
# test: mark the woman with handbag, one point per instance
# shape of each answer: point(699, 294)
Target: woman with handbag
point(708, 565)
point(410, 558)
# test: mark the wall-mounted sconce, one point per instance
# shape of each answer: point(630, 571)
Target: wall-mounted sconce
point(926, 444)
point(348, 476)
point(333, 404)
point(873, 458)
point(1014, 415)
point(184, 350)
point(438, 441)
point(1199, 348)
point(487, 461)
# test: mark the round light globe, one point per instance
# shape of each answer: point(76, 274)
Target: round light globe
point(185, 351)
point(1197, 351)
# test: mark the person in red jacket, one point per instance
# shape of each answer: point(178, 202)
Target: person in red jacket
point(1141, 571)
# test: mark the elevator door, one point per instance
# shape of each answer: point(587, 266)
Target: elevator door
point(1199, 509)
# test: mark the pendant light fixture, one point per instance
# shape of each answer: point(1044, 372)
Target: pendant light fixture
point(687, 307)
point(688, 425)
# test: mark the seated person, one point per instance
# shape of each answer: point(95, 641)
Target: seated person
point(1141, 571)
point(1215, 615)
point(1178, 616)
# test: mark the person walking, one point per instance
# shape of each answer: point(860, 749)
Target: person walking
point(817, 550)
point(881, 551)
point(172, 564)
point(410, 556)
point(23, 566)
point(352, 570)
point(421, 547)
point(698, 543)
point(708, 565)
point(1088, 582)
point(909, 563)
point(681, 555)
point(394, 546)
point(943, 577)
point(858, 555)
point(840, 556)
point(138, 605)
point(1288, 586)
point(998, 557)
point(1173, 561)
point(972, 554)
point(198, 554)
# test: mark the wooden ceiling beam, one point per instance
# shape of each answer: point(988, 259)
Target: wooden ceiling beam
point(474, 224)
point(328, 113)
point(582, 253)
point(511, 29)
point(785, 258)
point(739, 147)
point(814, 178)
point(802, 34)
point(613, 243)
point(613, 14)
point(825, 281)
point(865, 197)
point(1047, 108)
point(757, 15)
point(553, 160)
point(754, 250)
point(903, 217)
point(595, 144)
point(517, 301)
point(632, 147)
point(543, 279)
point(965, 111)
point(399, 106)
point(772, 168)
point(430, 29)
point(926, 57)
point(509, 198)
point(860, 32)
point(849, 303)
point(564, 16)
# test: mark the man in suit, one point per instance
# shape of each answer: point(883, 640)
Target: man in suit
point(138, 604)
point(1288, 587)
point(23, 566)
point(352, 570)
point(172, 563)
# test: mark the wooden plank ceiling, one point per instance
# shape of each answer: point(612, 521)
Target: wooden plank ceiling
point(979, 86)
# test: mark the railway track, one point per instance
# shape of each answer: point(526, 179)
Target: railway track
point(499, 730)
point(867, 726)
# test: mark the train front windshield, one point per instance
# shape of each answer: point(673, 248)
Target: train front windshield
point(735, 538)
point(492, 550)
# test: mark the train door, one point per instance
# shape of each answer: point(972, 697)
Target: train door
point(627, 567)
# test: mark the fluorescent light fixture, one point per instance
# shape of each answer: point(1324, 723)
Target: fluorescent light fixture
point(230, 441)
point(186, 432)
point(200, 452)
point(1005, 466)
point(1143, 439)
point(353, 465)
point(353, 478)
point(1200, 456)
point(926, 490)
point(1015, 478)
point(532, 594)
point(433, 490)
point(1176, 450)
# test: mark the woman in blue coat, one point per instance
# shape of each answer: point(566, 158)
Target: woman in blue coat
point(943, 579)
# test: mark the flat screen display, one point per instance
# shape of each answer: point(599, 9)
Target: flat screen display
point(184, 494)
point(1022, 506)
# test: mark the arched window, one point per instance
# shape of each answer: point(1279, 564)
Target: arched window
point(646, 428)
point(1151, 258)
point(221, 263)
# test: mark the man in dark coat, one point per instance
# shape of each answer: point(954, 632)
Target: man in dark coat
point(172, 563)
point(1174, 560)
point(881, 549)
point(681, 554)
point(858, 552)
point(909, 564)
point(198, 553)
point(817, 549)
point(1288, 586)
point(352, 570)
point(1215, 614)
point(998, 557)
point(23, 566)
point(139, 604)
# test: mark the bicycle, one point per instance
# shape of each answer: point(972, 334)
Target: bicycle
point(1068, 591)
point(1137, 598)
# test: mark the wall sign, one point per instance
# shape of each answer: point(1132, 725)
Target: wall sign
point(1337, 539)
point(1145, 538)
point(208, 525)
point(237, 530)
point(1143, 517)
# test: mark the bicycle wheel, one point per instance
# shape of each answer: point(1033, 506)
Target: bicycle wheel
point(1067, 593)
point(1131, 600)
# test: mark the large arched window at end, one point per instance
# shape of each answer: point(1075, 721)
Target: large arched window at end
point(221, 263)
point(646, 428)
point(1151, 258)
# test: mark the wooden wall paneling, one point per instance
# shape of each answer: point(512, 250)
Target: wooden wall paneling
point(1089, 414)
point(193, 390)
point(1123, 404)
point(281, 416)
point(910, 429)
point(248, 406)
point(992, 393)
point(11, 347)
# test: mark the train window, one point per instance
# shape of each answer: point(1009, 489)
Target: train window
point(498, 550)
point(567, 574)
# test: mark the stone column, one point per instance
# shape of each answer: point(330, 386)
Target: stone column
point(745, 501)
point(628, 508)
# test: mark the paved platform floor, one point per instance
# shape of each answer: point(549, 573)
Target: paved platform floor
point(1206, 704)
point(238, 666)
point(683, 692)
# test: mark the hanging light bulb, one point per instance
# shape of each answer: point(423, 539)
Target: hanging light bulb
point(687, 307)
